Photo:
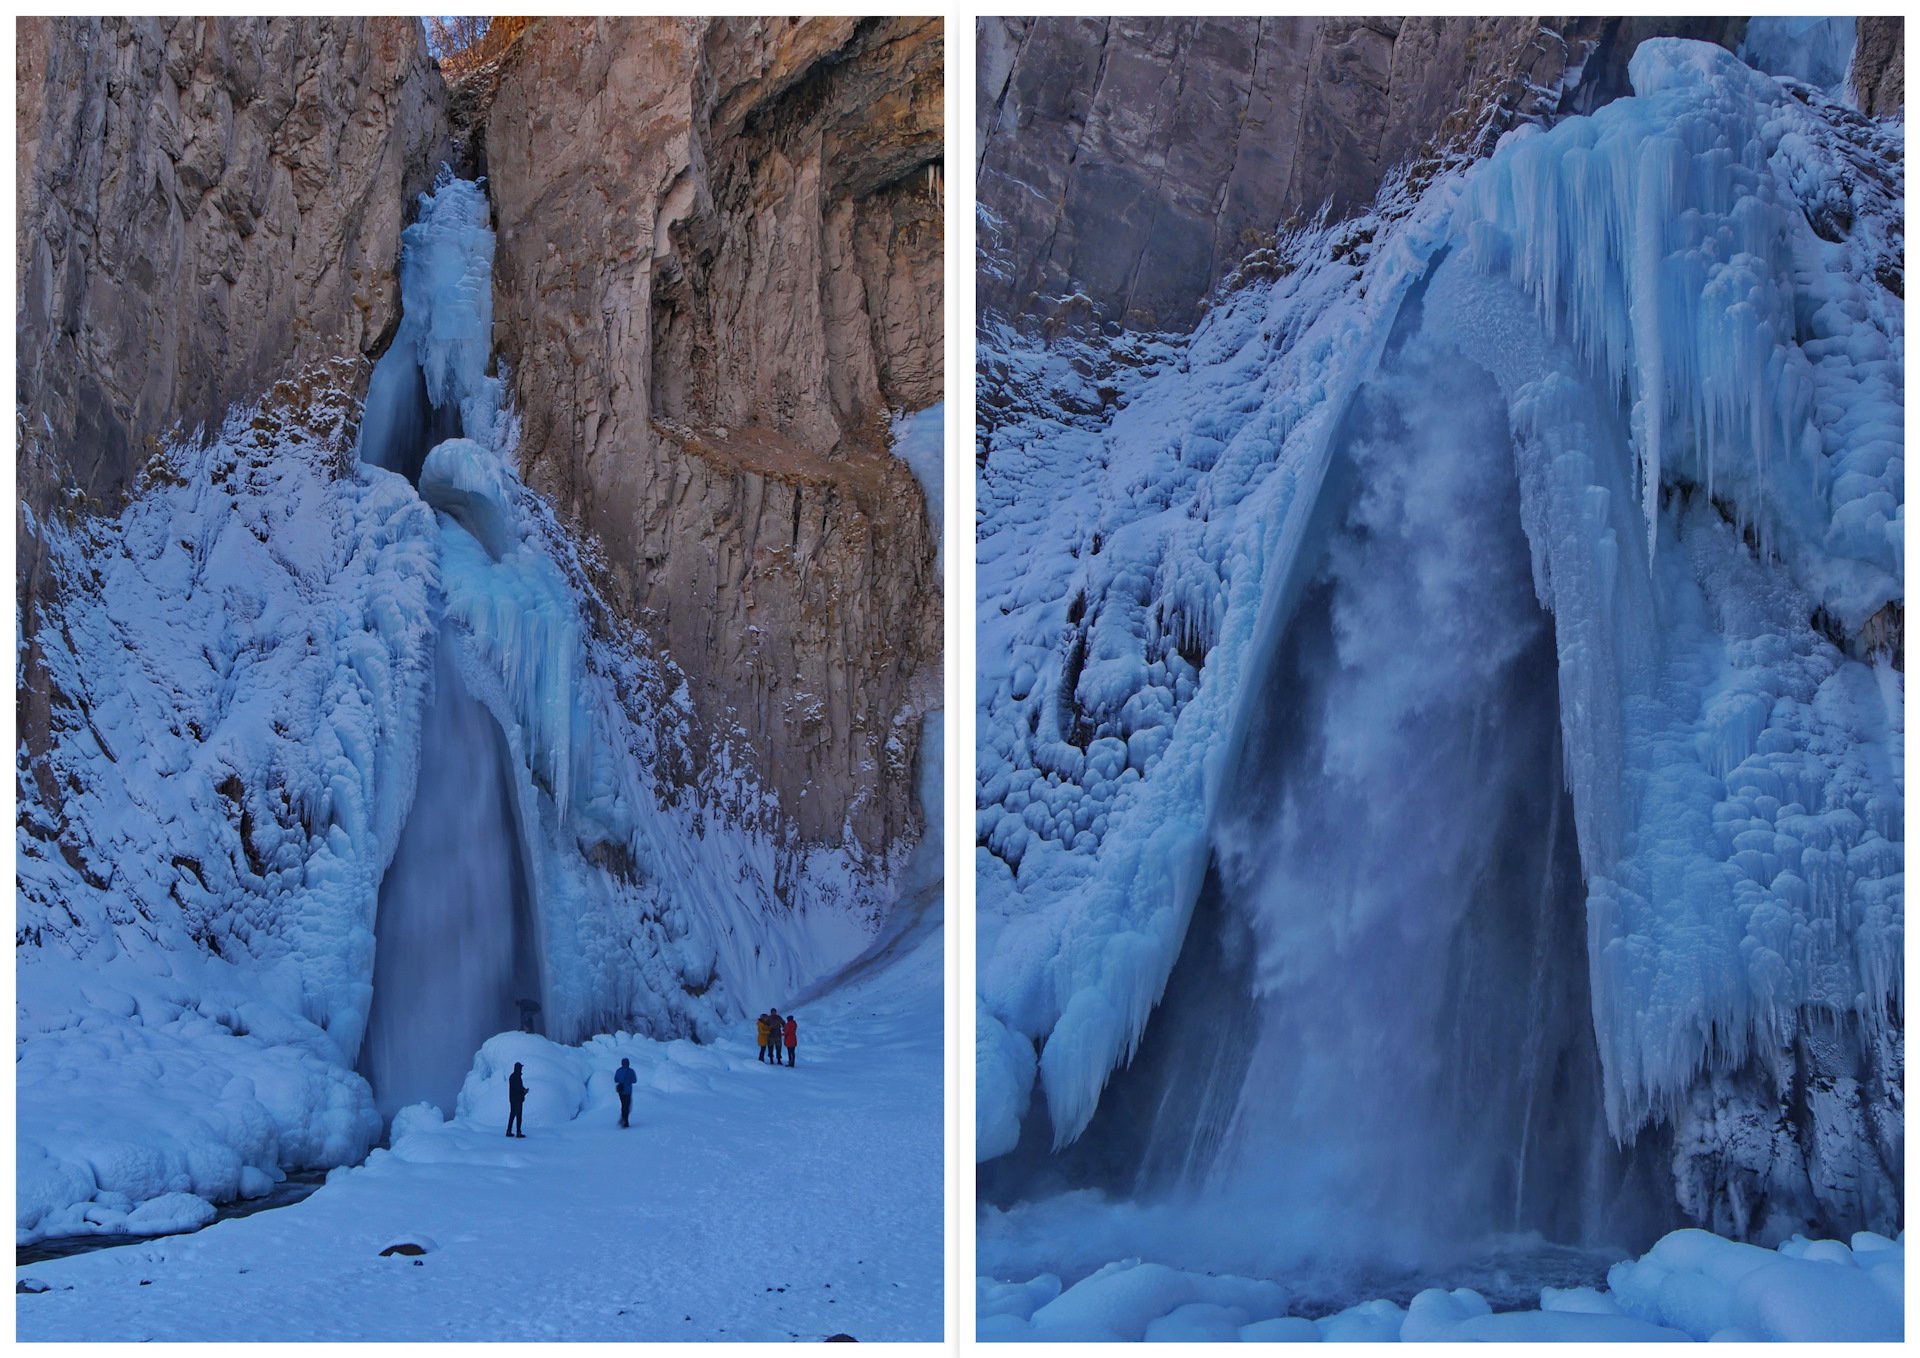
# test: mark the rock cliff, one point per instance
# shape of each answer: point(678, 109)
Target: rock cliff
point(1880, 66)
point(1133, 161)
point(206, 206)
point(719, 270)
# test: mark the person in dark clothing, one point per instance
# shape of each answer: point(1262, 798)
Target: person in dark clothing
point(792, 1033)
point(623, 1080)
point(773, 1036)
point(516, 1100)
point(528, 1008)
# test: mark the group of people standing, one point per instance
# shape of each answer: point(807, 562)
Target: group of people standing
point(772, 1030)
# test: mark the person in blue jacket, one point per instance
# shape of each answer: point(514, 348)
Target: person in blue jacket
point(623, 1079)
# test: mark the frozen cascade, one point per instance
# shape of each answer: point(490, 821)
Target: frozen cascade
point(1677, 326)
point(1393, 843)
point(432, 382)
point(620, 912)
point(456, 943)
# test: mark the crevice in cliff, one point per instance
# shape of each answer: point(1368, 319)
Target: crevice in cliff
point(1148, 320)
point(472, 78)
point(1000, 95)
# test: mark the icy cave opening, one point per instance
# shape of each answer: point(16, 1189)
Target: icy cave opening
point(456, 947)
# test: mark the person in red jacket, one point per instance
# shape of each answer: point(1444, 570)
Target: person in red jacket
point(792, 1033)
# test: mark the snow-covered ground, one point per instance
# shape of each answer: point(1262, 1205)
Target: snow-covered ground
point(744, 1203)
point(1688, 1285)
point(1080, 1266)
point(1691, 1285)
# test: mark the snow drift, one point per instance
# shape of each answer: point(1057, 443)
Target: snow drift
point(1690, 1285)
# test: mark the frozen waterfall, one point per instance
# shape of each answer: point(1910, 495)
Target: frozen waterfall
point(1398, 840)
point(456, 942)
point(1438, 740)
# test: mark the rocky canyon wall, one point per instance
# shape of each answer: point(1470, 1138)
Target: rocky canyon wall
point(718, 271)
point(1132, 162)
point(718, 275)
point(205, 207)
point(1880, 66)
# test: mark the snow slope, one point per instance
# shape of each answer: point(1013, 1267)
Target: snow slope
point(744, 1203)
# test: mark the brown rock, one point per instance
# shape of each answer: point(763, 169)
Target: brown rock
point(1135, 161)
point(206, 206)
point(718, 269)
point(1880, 66)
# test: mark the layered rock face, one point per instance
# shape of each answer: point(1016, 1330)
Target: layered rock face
point(1133, 162)
point(718, 271)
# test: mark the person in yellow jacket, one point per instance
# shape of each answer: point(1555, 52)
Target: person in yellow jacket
point(760, 1028)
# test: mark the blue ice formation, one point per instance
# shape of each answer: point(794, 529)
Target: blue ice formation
point(1669, 371)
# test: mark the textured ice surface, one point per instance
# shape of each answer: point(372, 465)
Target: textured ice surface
point(1684, 301)
point(919, 441)
point(239, 663)
point(1816, 50)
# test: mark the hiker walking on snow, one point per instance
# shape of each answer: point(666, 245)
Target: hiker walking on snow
point(516, 1100)
point(760, 1031)
point(623, 1079)
point(792, 1034)
point(773, 1036)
